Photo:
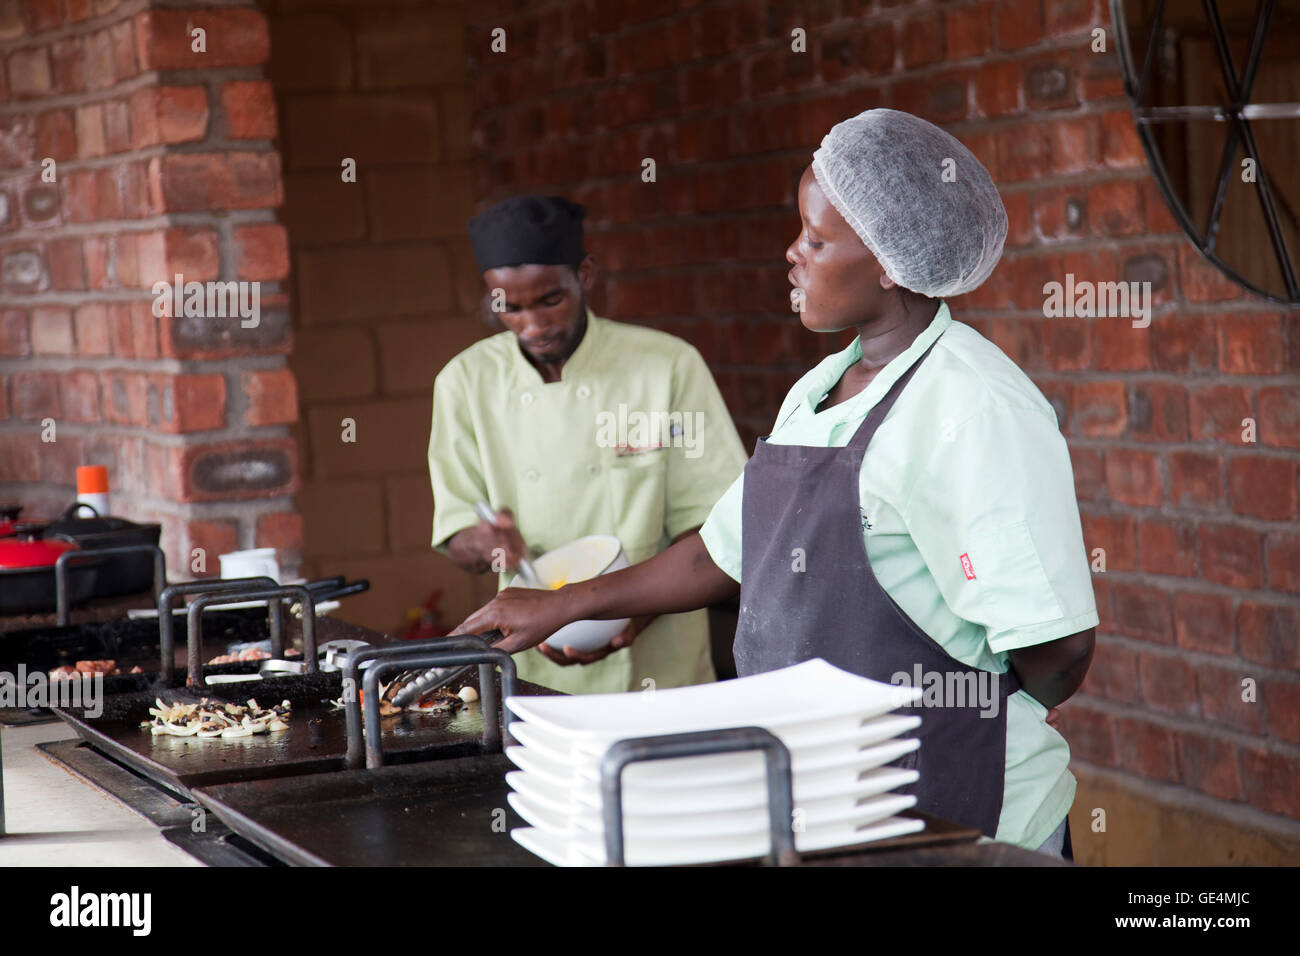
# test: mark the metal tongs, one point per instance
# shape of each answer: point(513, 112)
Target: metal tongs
point(433, 678)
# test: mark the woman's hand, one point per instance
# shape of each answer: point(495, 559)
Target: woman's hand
point(681, 578)
point(524, 616)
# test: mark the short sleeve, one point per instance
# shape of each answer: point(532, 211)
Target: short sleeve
point(710, 455)
point(996, 519)
point(721, 531)
point(455, 468)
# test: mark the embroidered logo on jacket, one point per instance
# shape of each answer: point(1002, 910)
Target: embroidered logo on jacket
point(622, 451)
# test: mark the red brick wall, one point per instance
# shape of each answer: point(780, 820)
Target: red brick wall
point(384, 285)
point(1202, 581)
point(164, 163)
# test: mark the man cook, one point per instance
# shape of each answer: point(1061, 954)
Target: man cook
point(523, 420)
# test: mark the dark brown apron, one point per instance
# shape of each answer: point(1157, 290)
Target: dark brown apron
point(807, 497)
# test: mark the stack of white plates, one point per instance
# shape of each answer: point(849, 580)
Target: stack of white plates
point(838, 727)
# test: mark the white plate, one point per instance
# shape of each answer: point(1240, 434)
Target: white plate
point(807, 740)
point(588, 828)
point(555, 850)
point(825, 790)
point(845, 772)
point(560, 851)
point(846, 756)
point(796, 738)
point(806, 693)
point(731, 810)
point(807, 786)
point(808, 752)
point(804, 741)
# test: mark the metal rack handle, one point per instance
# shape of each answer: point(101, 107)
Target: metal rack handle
point(167, 602)
point(780, 783)
point(487, 691)
point(194, 626)
point(356, 754)
point(62, 599)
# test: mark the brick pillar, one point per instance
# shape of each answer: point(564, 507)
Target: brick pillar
point(158, 161)
point(384, 284)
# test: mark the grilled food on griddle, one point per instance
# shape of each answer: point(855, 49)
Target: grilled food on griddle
point(86, 669)
point(440, 701)
point(216, 718)
point(251, 654)
point(443, 700)
point(247, 654)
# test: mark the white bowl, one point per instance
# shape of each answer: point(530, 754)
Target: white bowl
point(252, 563)
point(581, 560)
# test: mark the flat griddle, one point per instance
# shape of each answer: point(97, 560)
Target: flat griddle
point(99, 609)
point(316, 741)
point(128, 641)
point(445, 813)
point(103, 609)
point(43, 644)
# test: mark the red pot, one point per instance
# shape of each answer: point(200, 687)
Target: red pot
point(27, 575)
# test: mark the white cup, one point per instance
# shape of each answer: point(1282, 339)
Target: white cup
point(253, 563)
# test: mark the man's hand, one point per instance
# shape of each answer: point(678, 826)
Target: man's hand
point(622, 639)
point(477, 548)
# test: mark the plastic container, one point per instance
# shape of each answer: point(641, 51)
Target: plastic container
point(92, 489)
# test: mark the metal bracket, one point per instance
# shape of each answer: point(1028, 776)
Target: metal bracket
point(62, 602)
point(356, 754)
point(780, 783)
point(492, 739)
point(194, 627)
point(167, 602)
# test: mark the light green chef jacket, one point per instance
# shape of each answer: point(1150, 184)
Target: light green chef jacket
point(550, 453)
point(969, 461)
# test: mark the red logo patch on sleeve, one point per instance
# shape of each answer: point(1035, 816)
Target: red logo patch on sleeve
point(967, 567)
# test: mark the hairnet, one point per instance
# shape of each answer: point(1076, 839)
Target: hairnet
point(920, 200)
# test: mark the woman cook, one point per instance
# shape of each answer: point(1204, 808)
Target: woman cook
point(913, 511)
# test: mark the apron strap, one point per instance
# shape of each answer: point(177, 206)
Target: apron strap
point(1011, 680)
point(867, 430)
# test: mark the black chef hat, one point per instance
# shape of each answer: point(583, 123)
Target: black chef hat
point(528, 230)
